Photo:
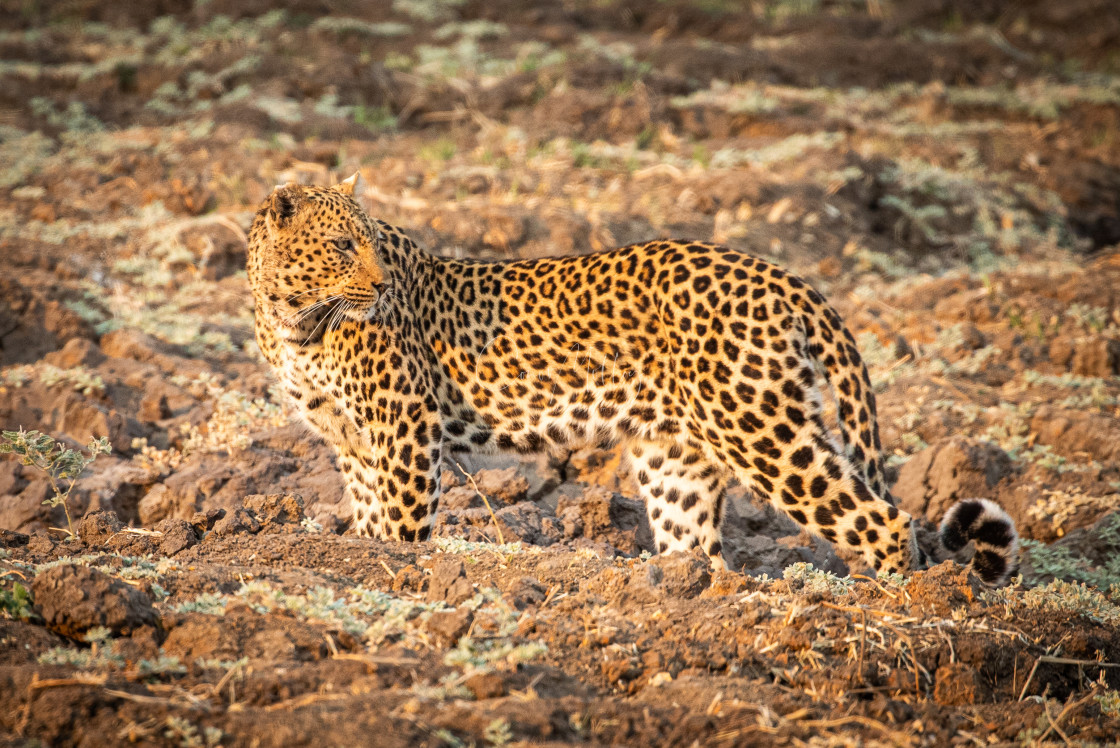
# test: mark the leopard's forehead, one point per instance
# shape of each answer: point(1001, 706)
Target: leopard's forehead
point(325, 211)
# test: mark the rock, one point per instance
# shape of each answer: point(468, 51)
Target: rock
point(449, 582)
point(677, 574)
point(1094, 356)
point(409, 579)
point(153, 407)
point(276, 508)
point(507, 485)
point(525, 521)
point(530, 523)
point(155, 505)
point(204, 521)
point(79, 417)
point(162, 399)
point(114, 485)
point(96, 528)
point(446, 627)
point(944, 588)
point(459, 498)
point(486, 685)
point(540, 472)
point(601, 515)
point(1061, 351)
point(12, 480)
point(25, 511)
point(77, 352)
point(11, 539)
point(142, 645)
point(129, 343)
point(942, 474)
point(184, 491)
point(760, 554)
point(238, 522)
point(72, 599)
point(241, 632)
point(178, 535)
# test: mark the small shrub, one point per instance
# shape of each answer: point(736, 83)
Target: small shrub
point(58, 462)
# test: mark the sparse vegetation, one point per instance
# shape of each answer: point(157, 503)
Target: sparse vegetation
point(59, 463)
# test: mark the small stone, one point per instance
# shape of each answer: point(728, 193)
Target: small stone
point(77, 352)
point(489, 685)
point(276, 507)
point(507, 486)
point(156, 504)
point(1096, 357)
point(154, 407)
point(240, 521)
point(12, 539)
point(178, 535)
point(678, 574)
point(205, 521)
point(449, 582)
point(446, 627)
point(97, 527)
point(459, 498)
point(409, 579)
point(938, 476)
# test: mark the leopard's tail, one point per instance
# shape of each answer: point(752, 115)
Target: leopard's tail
point(832, 346)
point(992, 530)
point(979, 521)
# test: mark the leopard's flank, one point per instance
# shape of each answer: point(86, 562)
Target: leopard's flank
point(706, 364)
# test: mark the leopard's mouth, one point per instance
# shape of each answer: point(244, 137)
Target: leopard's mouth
point(329, 313)
point(368, 304)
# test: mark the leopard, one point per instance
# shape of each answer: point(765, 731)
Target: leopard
point(702, 364)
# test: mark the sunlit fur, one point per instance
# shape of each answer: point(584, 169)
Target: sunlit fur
point(706, 364)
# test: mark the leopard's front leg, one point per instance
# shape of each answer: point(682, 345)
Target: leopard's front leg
point(392, 480)
point(393, 484)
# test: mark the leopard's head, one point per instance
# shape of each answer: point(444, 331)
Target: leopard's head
point(313, 259)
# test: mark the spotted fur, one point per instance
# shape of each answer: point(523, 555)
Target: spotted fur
point(703, 361)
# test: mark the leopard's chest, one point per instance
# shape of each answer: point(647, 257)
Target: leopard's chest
point(316, 384)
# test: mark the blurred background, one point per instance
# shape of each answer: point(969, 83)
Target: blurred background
point(946, 171)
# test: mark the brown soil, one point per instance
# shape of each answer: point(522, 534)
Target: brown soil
point(947, 172)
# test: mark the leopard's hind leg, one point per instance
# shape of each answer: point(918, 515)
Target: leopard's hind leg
point(684, 493)
point(776, 443)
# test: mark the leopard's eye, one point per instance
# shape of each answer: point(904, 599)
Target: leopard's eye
point(344, 245)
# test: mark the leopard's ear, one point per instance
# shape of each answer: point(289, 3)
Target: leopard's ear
point(283, 206)
point(350, 186)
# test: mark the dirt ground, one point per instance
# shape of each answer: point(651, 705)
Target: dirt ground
point(946, 172)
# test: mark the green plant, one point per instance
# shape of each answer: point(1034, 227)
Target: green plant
point(1062, 563)
point(58, 462)
point(809, 580)
point(188, 736)
point(16, 603)
point(498, 732)
point(1109, 702)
